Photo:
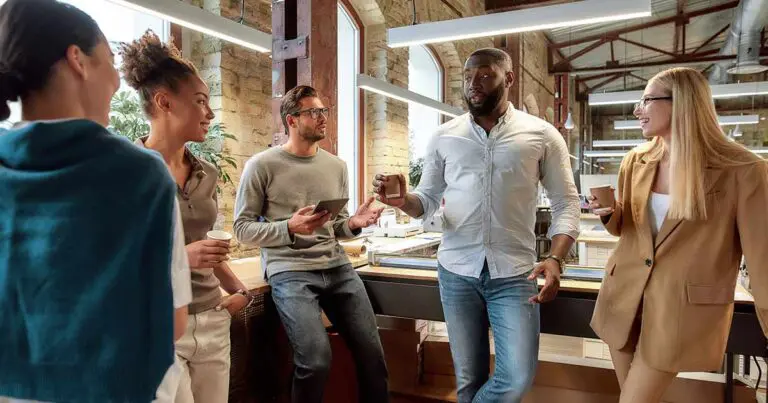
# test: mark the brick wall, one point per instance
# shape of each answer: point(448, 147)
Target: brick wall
point(240, 80)
point(386, 128)
point(537, 86)
point(241, 88)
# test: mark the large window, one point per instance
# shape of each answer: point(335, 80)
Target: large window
point(425, 77)
point(119, 24)
point(348, 100)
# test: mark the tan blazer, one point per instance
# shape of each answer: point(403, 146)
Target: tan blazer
point(686, 278)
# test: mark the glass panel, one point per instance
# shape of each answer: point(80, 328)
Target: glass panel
point(348, 67)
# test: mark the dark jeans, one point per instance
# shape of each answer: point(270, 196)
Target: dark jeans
point(299, 297)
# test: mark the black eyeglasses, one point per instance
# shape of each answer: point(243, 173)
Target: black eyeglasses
point(313, 112)
point(644, 101)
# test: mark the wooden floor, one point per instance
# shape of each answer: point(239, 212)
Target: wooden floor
point(559, 379)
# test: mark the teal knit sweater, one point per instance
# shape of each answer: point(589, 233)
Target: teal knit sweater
point(86, 311)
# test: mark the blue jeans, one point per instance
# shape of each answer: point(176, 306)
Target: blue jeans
point(470, 305)
point(299, 297)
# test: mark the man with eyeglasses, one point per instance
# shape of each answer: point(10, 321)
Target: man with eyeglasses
point(304, 264)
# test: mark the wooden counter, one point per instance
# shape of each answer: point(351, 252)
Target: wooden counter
point(249, 271)
point(741, 294)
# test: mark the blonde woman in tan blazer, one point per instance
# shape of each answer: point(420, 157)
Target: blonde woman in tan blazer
point(691, 202)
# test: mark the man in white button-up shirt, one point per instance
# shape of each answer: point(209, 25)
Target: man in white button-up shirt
point(487, 165)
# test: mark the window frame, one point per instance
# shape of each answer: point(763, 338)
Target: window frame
point(349, 9)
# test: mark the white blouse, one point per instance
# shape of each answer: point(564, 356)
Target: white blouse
point(658, 207)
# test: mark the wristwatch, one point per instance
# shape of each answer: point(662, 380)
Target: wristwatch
point(558, 259)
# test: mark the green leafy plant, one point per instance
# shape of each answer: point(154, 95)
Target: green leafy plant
point(127, 119)
point(414, 172)
point(211, 151)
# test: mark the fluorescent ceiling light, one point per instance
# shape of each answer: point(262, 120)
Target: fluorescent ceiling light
point(390, 90)
point(718, 91)
point(608, 160)
point(608, 154)
point(738, 120)
point(617, 143)
point(595, 154)
point(529, 19)
point(203, 21)
point(723, 120)
point(740, 89)
point(614, 98)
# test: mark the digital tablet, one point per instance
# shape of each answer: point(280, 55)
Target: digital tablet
point(332, 206)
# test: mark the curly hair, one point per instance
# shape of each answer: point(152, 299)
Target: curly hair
point(149, 64)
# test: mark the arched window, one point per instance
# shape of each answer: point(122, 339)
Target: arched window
point(348, 102)
point(425, 77)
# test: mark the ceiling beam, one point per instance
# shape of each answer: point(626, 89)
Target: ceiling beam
point(635, 66)
point(661, 21)
point(594, 77)
point(609, 80)
point(586, 50)
point(642, 45)
point(676, 41)
point(497, 6)
point(711, 38)
point(452, 7)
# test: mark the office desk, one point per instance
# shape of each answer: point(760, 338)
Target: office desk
point(414, 294)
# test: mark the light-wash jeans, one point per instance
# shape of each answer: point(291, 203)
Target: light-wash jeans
point(470, 305)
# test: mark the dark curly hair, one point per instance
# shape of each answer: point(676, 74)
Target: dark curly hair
point(34, 36)
point(149, 64)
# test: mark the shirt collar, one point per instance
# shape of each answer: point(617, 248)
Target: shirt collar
point(197, 166)
point(504, 119)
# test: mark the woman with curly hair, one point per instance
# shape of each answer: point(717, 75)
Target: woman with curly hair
point(691, 202)
point(176, 101)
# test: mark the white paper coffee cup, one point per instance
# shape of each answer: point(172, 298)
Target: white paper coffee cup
point(217, 235)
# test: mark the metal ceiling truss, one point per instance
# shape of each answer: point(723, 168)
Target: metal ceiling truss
point(615, 70)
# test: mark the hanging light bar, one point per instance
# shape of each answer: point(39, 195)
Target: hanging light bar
point(718, 91)
point(609, 154)
point(529, 19)
point(392, 91)
point(617, 143)
point(723, 120)
point(200, 20)
point(595, 154)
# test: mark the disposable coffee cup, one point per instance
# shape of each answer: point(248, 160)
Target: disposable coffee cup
point(217, 235)
point(392, 187)
point(603, 195)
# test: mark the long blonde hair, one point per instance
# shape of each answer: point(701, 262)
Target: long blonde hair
point(698, 142)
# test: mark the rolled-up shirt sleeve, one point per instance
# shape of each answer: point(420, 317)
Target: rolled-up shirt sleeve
point(432, 184)
point(557, 178)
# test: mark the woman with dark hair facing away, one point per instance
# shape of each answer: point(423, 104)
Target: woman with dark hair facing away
point(87, 262)
point(175, 99)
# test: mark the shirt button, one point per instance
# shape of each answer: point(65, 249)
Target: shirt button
point(648, 262)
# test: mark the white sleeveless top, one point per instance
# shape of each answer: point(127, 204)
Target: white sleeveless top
point(657, 208)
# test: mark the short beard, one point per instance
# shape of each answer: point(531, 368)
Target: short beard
point(311, 135)
point(490, 103)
